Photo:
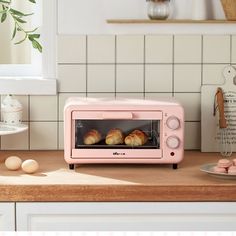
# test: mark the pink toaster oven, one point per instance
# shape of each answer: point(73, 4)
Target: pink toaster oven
point(162, 122)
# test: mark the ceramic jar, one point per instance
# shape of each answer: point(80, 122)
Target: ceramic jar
point(11, 110)
point(158, 9)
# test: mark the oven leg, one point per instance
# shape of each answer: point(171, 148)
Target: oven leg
point(71, 166)
point(175, 166)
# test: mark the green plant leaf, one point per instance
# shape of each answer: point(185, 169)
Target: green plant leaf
point(4, 11)
point(19, 20)
point(37, 45)
point(14, 33)
point(4, 17)
point(17, 13)
point(34, 36)
point(29, 14)
point(3, 1)
point(31, 31)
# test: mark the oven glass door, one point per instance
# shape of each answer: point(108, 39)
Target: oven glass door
point(149, 127)
point(147, 122)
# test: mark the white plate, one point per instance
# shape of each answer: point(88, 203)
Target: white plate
point(208, 168)
point(12, 129)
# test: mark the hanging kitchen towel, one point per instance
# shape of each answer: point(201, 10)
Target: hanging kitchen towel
point(210, 131)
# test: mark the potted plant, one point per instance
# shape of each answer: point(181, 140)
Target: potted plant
point(19, 18)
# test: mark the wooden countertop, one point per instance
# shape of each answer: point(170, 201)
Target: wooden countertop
point(116, 182)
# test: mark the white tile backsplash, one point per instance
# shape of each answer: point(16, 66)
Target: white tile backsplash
point(188, 49)
point(101, 49)
point(130, 48)
point(60, 135)
point(212, 73)
point(158, 95)
point(192, 135)
point(191, 104)
point(72, 78)
point(187, 78)
point(159, 49)
point(158, 78)
point(43, 108)
point(233, 53)
point(216, 49)
point(130, 95)
point(101, 95)
point(43, 135)
point(129, 78)
point(71, 49)
point(101, 78)
point(134, 66)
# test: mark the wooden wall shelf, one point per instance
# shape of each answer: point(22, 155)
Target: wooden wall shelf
point(147, 21)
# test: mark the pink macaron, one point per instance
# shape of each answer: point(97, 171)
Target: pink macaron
point(232, 170)
point(220, 170)
point(224, 163)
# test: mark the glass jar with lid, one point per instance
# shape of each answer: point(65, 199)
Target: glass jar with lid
point(158, 9)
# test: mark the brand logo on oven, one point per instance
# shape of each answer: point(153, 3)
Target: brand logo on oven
point(119, 153)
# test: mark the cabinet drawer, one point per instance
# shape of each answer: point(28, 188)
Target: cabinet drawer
point(7, 216)
point(126, 216)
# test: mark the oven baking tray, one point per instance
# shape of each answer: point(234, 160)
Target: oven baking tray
point(151, 144)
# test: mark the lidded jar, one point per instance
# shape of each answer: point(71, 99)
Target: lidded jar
point(158, 9)
point(11, 110)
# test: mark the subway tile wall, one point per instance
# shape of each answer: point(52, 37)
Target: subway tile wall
point(135, 66)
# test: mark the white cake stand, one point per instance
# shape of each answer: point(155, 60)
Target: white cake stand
point(12, 129)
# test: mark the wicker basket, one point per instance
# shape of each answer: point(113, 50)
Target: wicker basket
point(229, 7)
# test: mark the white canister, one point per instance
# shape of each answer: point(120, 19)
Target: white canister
point(11, 110)
point(181, 9)
point(199, 10)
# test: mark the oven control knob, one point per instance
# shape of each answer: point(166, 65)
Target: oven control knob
point(173, 142)
point(173, 123)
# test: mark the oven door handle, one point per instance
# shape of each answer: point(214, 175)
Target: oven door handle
point(117, 115)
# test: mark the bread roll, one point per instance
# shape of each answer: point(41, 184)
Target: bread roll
point(136, 138)
point(92, 137)
point(114, 137)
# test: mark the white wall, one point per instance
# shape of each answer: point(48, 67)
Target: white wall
point(89, 17)
point(170, 65)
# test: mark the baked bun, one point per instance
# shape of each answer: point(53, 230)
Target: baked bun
point(136, 138)
point(92, 137)
point(114, 137)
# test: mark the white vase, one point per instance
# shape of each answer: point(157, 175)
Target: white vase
point(199, 10)
point(180, 9)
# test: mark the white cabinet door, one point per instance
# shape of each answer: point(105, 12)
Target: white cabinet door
point(125, 216)
point(7, 216)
